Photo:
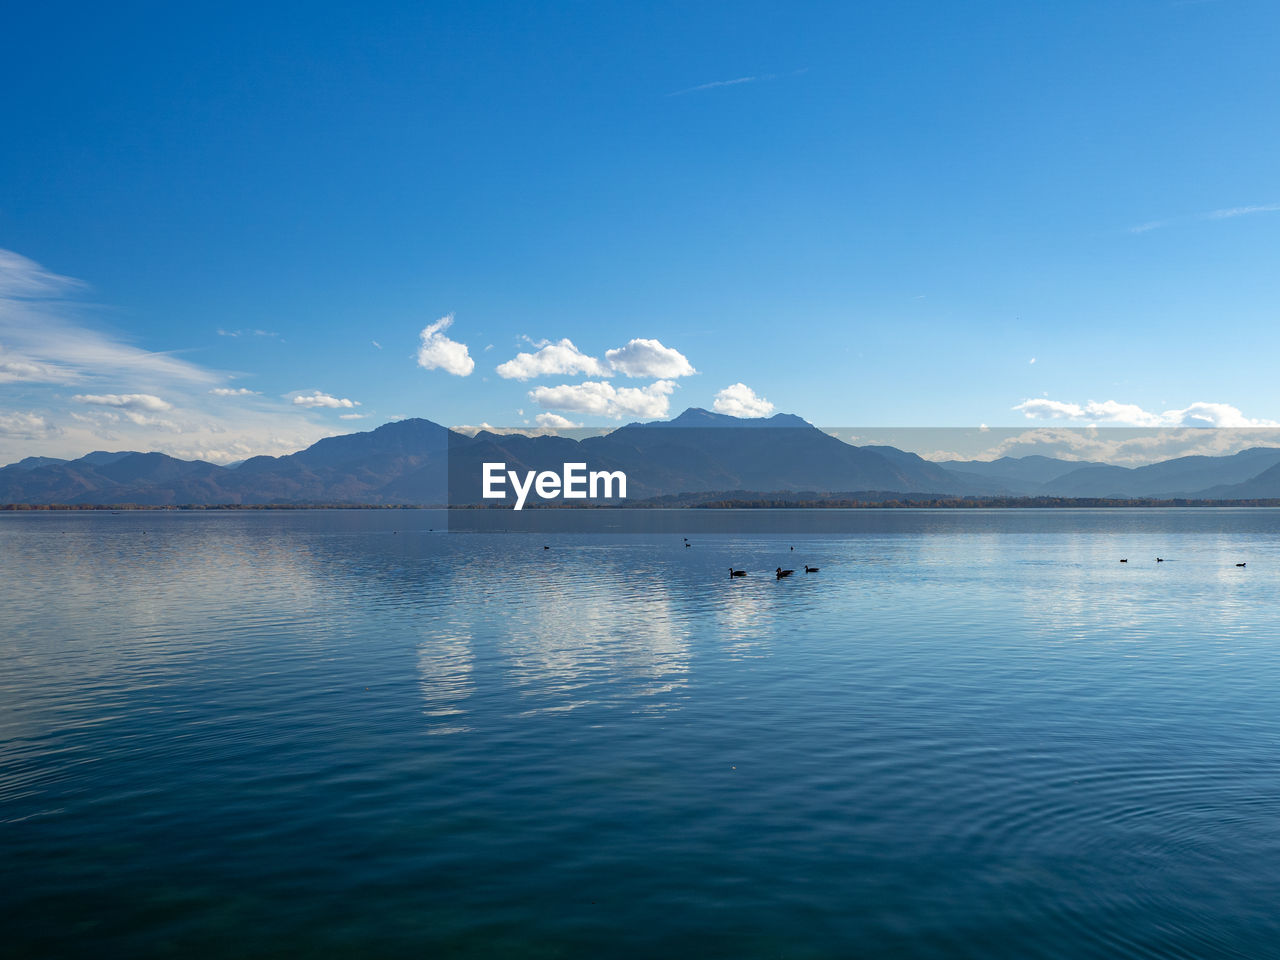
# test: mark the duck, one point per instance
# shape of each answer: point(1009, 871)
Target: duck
point(1125, 560)
point(783, 573)
point(1239, 564)
point(809, 569)
point(1159, 559)
point(737, 573)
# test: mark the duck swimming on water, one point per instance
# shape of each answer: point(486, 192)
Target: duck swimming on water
point(737, 573)
point(783, 573)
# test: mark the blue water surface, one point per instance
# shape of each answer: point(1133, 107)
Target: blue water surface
point(350, 733)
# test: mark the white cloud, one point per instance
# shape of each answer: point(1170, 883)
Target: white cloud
point(352, 416)
point(602, 399)
point(649, 358)
point(557, 359)
point(1112, 411)
point(640, 358)
point(438, 352)
point(233, 392)
point(317, 399)
point(1198, 414)
point(470, 430)
point(1038, 409)
point(739, 400)
point(376, 344)
point(15, 368)
point(125, 401)
point(1203, 414)
point(555, 422)
point(23, 426)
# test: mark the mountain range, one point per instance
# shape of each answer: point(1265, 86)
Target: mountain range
point(419, 462)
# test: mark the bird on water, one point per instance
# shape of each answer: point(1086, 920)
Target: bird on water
point(737, 573)
point(783, 573)
point(809, 569)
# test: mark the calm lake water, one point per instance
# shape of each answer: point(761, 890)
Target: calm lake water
point(971, 734)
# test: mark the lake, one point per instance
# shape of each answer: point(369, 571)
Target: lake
point(350, 733)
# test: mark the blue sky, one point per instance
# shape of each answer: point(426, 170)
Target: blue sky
point(220, 222)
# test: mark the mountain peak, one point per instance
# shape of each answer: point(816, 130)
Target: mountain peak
point(698, 417)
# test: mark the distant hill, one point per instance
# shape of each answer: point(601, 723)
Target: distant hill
point(421, 462)
point(30, 463)
point(1181, 477)
point(1022, 474)
point(1265, 485)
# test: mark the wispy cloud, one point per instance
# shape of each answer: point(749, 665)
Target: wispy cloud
point(42, 341)
point(1120, 446)
point(24, 279)
point(1226, 213)
point(1229, 212)
point(1151, 225)
point(15, 369)
point(720, 83)
point(737, 81)
point(248, 333)
point(127, 397)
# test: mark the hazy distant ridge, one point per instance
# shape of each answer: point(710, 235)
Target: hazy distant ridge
point(420, 462)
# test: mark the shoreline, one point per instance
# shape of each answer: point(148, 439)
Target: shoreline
point(898, 503)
